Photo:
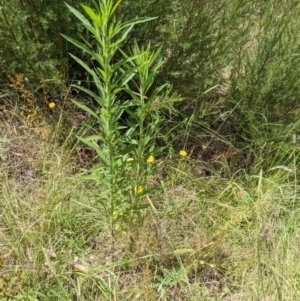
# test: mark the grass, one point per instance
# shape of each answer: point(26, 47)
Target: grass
point(203, 238)
point(222, 222)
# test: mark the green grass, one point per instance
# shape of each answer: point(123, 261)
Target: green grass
point(203, 238)
point(222, 223)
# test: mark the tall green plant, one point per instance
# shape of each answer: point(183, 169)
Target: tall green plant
point(123, 150)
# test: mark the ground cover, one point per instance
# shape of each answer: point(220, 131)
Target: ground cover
point(183, 191)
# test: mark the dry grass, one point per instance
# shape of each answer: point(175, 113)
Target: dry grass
point(205, 238)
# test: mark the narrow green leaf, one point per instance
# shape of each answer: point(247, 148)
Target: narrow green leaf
point(127, 76)
point(116, 90)
point(84, 65)
point(118, 163)
point(91, 13)
point(87, 91)
point(135, 96)
point(115, 6)
point(82, 18)
point(90, 177)
point(94, 146)
point(156, 92)
point(121, 127)
point(119, 113)
point(92, 72)
point(128, 149)
point(137, 21)
point(85, 108)
point(123, 35)
point(98, 168)
point(127, 59)
point(80, 45)
point(183, 251)
point(93, 138)
point(103, 74)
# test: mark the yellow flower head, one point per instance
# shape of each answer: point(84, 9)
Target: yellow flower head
point(129, 159)
point(183, 153)
point(150, 159)
point(138, 189)
point(51, 105)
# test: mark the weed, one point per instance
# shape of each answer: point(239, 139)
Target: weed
point(121, 199)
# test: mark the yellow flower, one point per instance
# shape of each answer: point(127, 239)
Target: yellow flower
point(183, 153)
point(129, 159)
point(51, 105)
point(150, 159)
point(138, 189)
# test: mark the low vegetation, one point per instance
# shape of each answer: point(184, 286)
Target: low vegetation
point(167, 169)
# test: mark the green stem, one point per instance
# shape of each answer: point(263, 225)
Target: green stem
point(110, 121)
